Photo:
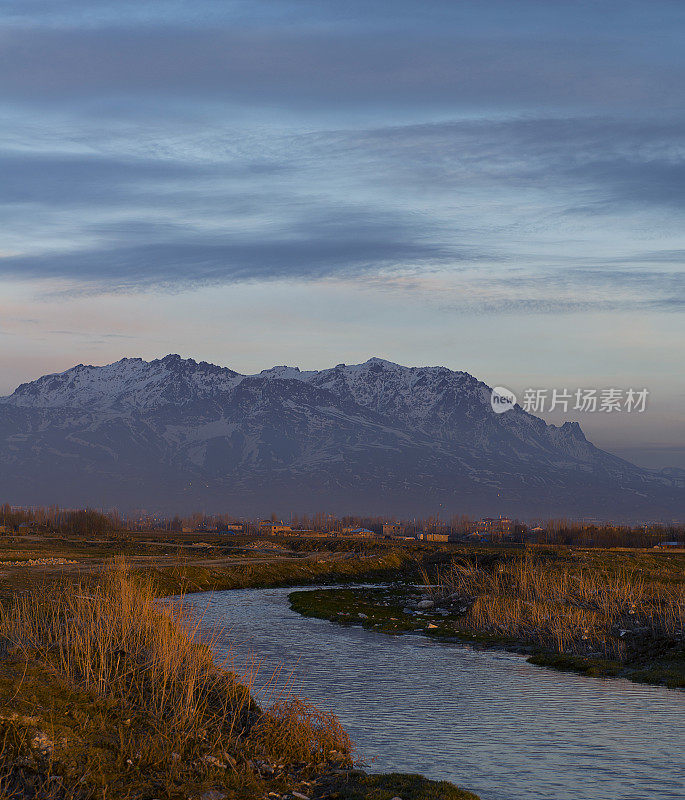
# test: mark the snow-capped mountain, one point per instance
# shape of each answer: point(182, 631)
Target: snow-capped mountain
point(177, 435)
point(130, 383)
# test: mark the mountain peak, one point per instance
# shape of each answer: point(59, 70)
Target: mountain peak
point(381, 362)
point(129, 383)
point(375, 437)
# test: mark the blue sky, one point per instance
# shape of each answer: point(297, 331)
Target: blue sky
point(494, 186)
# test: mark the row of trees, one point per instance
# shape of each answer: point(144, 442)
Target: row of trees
point(568, 532)
point(79, 522)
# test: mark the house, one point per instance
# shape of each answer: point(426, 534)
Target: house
point(393, 529)
point(274, 527)
point(493, 527)
point(437, 537)
point(231, 528)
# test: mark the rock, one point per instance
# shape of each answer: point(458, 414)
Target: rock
point(425, 604)
point(42, 743)
point(213, 794)
point(214, 761)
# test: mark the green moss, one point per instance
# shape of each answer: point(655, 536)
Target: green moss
point(386, 787)
point(383, 610)
point(666, 673)
point(594, 667)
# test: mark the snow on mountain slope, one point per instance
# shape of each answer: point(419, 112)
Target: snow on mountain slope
point(433, 403)
point(447, 405)
point(131, 383)
point(365, 437)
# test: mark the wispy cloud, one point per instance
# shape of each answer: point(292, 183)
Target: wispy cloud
point(318, 246)
point(298, 67)
point(502, 195)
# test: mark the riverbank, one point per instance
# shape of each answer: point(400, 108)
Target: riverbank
point(565, 611)
point(106, 694)
point(183, 563)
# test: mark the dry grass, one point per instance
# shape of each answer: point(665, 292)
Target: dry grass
point(114, 639)
point(162, 705)
point(294, 731)
point(562, 606)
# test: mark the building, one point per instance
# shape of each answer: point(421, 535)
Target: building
point(492, 528)
point(274, 527)
point(232, 528)
point(393, 529)
point(437, 537)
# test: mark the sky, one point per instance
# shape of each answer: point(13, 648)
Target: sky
point(496, 187)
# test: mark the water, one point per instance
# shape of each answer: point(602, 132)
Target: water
point(487, 721)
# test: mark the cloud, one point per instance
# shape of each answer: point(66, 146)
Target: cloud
point(317, 65)
point(68, 179)
point(545, 291)
point(607, 161)
point(347, 243)
point(500, 194)
point(203, 146)
point(77, 179)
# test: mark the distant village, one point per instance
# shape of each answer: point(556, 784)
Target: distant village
point(486, 529)
point(461, 529)
point(458, 528)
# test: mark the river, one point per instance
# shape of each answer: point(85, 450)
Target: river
point(485, 720)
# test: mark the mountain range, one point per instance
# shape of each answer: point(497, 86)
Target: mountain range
point(176, 435)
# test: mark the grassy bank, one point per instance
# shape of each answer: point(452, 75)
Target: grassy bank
point(105, 693)
point(376, 568)
point(568, 610)
point(190, 564)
